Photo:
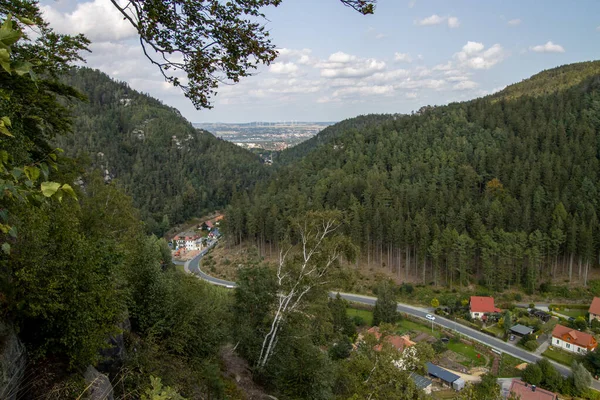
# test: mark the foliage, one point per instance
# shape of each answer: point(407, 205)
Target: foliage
point(592, 362)
point(581, 377)
point(532, 374)
point(159, 392)
point(386, 305)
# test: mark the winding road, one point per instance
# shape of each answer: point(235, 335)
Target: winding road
point(193, 266)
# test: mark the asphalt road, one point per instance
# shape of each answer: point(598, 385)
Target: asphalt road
point(193, 266)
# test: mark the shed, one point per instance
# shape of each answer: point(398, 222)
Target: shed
point(421, 382)
point(521, 330)
point(458, 384)
point(446, 377)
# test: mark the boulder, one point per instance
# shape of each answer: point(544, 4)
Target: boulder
point(99, 386)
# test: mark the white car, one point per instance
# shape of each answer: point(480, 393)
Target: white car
point(430, 317)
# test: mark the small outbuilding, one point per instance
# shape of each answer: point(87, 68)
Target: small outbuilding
point(521, 330)
point(446, 377)
point(421, 382)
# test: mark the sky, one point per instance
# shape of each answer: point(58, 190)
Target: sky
point(335, 63)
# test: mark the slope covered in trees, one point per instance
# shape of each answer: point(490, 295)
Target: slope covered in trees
point(329, 135)
point(502, 190)
point(171, 170)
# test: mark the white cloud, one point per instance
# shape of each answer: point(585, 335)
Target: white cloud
point(341, 57)
point(435, 19)
point(380, 36)
point(549, 47)
point(342, 65)
point(402, 57)
point(364, 90)
point(443, 67)
point(411, 95)
point(473, 56)
point(514, 22)
point(99, 20)
point(465, 85)
point(453, 22)
point(412, 3)
point(283, 68)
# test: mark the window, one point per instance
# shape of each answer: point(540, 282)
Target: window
point(557, 341)
point(568, 346)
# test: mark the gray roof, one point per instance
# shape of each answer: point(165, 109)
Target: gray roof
point(521, 329)
point(441, 373)
point(420, 381)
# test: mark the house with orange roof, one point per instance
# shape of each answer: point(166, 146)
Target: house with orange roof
point(479, 306)
point(595, 309)
point(524, 391)
point(573, 340)
point(398, 342)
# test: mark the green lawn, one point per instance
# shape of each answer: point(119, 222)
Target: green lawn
point(507, 366)
point(469, 352)
point(573, 313)
point(366, 315)
point(499, 332)
point(561, 356)
point(179, 268)
point(406, 325)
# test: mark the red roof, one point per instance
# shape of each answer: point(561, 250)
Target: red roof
point(483, 305)
point(209, 224)
point(595, 306)
point(526, 392)
point(576, 337)
point(399, 342)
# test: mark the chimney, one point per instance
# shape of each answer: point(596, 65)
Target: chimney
point(533, 388)
point(526, 384)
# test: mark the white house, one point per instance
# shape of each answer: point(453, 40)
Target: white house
point(595, 309)
point(480, 306)
point(573, 340)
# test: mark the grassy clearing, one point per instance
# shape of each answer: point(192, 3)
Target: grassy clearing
point(366, 315)
point(406, 325)
point(469, 352)
point(573, 313)
point(495, 330)
point(560, 356)
point(507, 366)
point(179, 268)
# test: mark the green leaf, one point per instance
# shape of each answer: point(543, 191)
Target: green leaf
point(26, 21)
point(6, 248)
point(68, 190)
point(13, 231)
point(49, 188)
point(21, 67)
point(32, 173)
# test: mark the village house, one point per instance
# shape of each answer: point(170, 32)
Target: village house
point(480, 306)
point(595, 309)
point(398, 342)
point(525, 391)
point(573, 340)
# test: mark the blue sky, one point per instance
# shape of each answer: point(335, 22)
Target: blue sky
point(335, 63)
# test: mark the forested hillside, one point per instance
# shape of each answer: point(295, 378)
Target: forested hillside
point(329, 135)
point(502, 189)
point(172, 171)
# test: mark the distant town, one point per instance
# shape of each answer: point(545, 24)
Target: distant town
point(265, 135)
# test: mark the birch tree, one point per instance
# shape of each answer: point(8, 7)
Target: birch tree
point(304, 267)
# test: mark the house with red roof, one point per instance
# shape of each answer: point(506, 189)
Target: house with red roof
point(573, 340)
point(524, 391)
point(479, 306)
point(595, 309)
point(398, 342)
